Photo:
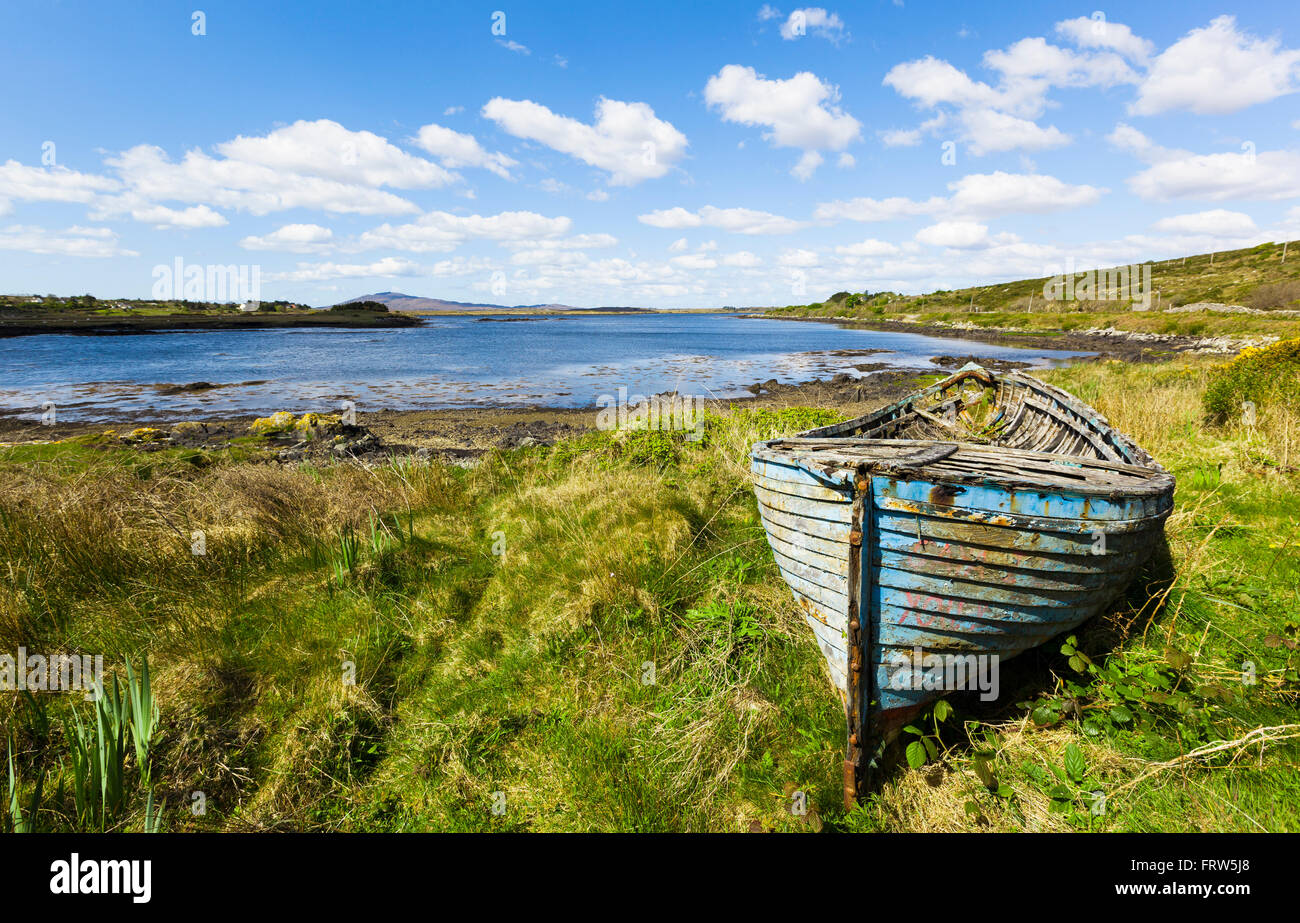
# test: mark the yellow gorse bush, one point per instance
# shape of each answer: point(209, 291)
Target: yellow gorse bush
point(1258, 374)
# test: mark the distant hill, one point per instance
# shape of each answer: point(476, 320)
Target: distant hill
point(396, 301)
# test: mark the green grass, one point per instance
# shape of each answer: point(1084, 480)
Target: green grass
point(593, 636)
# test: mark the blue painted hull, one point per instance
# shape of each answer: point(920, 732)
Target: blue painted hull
point(914, 557)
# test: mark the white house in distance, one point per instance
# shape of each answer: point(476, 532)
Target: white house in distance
point(248, 307)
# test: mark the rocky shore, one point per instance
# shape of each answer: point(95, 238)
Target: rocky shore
point(1107, 343)
point(455, 435)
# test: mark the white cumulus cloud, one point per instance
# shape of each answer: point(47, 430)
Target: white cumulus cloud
point(1268, 175)
point(256, 188)
point(736, 220)
point(960, 235)
point(1218, 69)
point(869, 247)
point(455, 149)
point(52, 184)
point(869, 209)
point(135, 207)
point(626, 140)
point(1001, 116)
point(989, 131)
point(440, 231)
point(325, 148)
point(1218, 222)
point(1087, 32)
point(801, 112)
point(389, 266)
point(74, 241)
point(987, 195)
point(292, 238)
point(801, 22)
point(976, 195)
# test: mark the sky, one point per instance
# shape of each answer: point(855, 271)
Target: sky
point(662, 155)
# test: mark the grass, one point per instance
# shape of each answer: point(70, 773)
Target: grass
point(593, 636)
point(1256, 278)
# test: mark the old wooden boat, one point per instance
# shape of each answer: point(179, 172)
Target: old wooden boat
point(965, 524)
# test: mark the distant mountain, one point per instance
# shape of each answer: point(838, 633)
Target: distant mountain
point(396, 301)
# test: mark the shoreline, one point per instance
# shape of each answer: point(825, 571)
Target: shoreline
point(1123, 345)
point(125, 325)
point(458, 433)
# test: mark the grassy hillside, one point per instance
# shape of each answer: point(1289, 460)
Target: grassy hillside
point(1255, 278)
point(593, 636)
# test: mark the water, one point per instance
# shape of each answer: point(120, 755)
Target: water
point(565, 361)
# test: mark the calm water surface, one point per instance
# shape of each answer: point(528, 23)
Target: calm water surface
point(450, 362)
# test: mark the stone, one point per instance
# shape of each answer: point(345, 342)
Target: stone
point(144, 434)
point(275, 423)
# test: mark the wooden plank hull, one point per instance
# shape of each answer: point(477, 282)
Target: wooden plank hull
point(911, 555)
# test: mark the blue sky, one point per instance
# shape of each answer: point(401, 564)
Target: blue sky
point(677, 156)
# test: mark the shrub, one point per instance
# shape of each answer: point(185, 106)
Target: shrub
point(1261, 375)
point(637, 448)
point(1274, 295)
point(783, 421)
